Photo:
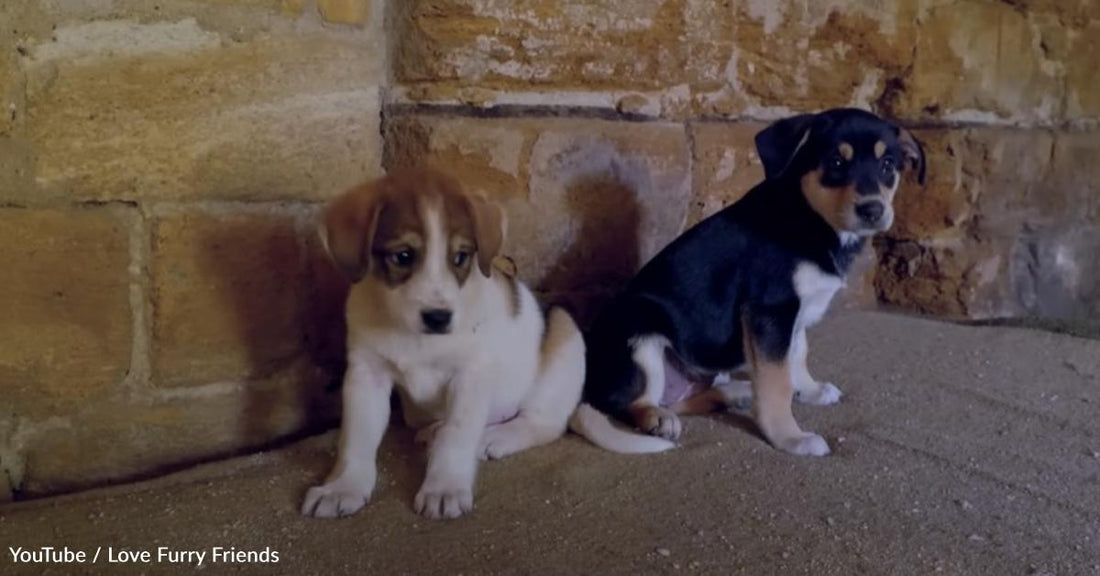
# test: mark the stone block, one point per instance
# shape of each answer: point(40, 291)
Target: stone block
point(65, 338)
point(170, 110)
point(588, 201)
point(604, 197)
point(486, 155)
point(1055, 273)
point(228, 295)
point(344, 11)
point(125, 439)
point(982, 61)
point(725, 165)
point(504, 44)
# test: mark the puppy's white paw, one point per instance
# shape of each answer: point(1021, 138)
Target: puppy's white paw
point(826, 394)
point(660, 422)
point(806, 444)
point(338, 498)
point(444, 498)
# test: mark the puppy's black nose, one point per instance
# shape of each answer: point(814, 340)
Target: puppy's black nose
point(870, 212)
point(436, 320)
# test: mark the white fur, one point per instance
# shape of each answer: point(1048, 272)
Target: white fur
point(491, 387)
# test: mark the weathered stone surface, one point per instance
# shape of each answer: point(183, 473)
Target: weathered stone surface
point(955, 170)
point(1002, 222)
point(65, 337)
point(486, 155)
point(344, 11)
point(725, 165)
point(1019, 62)
point(983, 61)
point(757, 56)
point(950, 277)
point(1055, 273)
point(120, 438)
point(1082, 81)
point(228, 295)
point(501, 43)
point(588, 201)
point(119, 109)
point(604, 198)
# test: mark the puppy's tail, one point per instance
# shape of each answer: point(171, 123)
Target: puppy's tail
point(598, 429)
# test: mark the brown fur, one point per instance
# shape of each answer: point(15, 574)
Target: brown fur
point(367, 227)
point(846, 151)
point(834, 205)
point(880, 149)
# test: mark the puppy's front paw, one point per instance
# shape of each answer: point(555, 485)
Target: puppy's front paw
point(338, 498)
point(444, 499)
point(825, 394)
point(660, 422)
point(805, 444)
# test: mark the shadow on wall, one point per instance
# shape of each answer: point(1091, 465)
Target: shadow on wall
point(284, 301)
point(606, 249)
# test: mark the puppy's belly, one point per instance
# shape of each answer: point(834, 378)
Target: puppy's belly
point(679, 386)
point(682, 384)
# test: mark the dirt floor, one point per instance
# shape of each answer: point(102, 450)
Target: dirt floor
point(957, 450)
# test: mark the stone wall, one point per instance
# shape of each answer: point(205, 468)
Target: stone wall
point(1005, 95)
point(161, 163)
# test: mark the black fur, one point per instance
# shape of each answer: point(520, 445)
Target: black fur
point(735, 268)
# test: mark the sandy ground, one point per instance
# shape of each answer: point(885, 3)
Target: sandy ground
point(957, 450)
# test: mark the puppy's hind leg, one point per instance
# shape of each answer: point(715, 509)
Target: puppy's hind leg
point(545, 412)
point(649, 356)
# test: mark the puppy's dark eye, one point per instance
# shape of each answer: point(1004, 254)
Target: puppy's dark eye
point(887, 166)
point(836, 162)
point(460, 258)
point(402, 258)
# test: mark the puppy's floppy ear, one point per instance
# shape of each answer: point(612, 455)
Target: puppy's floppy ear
point(914, 153)
point(778, 144)
point(489, 226)
point(348, 227)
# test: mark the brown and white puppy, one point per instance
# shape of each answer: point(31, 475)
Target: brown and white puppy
point(480, 370)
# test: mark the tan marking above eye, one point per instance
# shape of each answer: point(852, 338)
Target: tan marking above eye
point(880, 149)
point(833, 204)
point(846, 151)
point(406, 241)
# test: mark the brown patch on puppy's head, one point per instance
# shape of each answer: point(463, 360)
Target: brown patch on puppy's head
point(846, 151)
point(375, 228)
point(415, 233)
point(880, 149)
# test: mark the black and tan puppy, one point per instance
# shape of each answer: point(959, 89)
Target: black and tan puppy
point(736, 293)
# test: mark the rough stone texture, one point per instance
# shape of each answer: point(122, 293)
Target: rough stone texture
point(65, 303)
point(229, 294)
point(344, 11)
point(158, 434)
point(118, 109)
point(1003, 223)
point(1019, 62)
point(724, 165)
point(588, 201)
point(977, 59)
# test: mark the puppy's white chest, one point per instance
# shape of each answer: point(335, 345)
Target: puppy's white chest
point(815, 289)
